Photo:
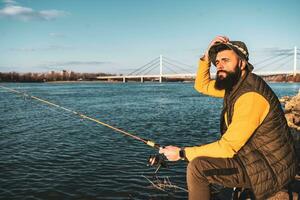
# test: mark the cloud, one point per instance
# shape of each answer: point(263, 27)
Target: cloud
point(4, 69)
point(14, 11)
point(47, 48)
point(81, 63)
point(77, 65)
point(51, 14)
point(9, 2)
point(74, 65)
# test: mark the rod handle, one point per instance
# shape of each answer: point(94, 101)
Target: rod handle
point(153, 144)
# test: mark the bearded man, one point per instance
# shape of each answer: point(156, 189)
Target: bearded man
point(256, 149)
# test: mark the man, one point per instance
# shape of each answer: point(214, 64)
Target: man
point(255, 149)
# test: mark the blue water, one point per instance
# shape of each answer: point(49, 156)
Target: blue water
point(49, 154)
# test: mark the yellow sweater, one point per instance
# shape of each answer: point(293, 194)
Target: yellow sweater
point(250, 110)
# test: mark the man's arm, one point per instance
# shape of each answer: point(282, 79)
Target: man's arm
point(249, 112)
point(203, 82)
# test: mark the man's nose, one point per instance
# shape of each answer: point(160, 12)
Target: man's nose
point(220, 66)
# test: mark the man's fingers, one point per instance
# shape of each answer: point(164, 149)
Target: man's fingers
point(171, 152)
point(222, 39)
point(162, 150)
point(168, 153)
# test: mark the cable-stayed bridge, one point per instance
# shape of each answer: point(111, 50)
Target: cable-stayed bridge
point(158, 69)
point(164, 68)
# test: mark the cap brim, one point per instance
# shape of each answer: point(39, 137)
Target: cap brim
point(212, 52)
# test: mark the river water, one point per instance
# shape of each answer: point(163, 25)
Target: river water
point(46, 153)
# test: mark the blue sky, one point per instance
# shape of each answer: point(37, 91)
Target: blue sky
point(117, 36)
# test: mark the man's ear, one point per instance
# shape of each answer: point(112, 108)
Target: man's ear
point(242, 64)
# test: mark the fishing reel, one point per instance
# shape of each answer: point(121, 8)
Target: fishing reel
point(158, 161)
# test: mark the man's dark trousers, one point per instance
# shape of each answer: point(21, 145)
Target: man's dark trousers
point(203, 171)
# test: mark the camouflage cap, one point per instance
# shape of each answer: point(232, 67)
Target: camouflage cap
point(238, 47)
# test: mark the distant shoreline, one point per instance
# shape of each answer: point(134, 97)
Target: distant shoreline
point(114, 82)
point(280, 78)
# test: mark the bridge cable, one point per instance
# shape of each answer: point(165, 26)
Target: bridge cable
point(275, 60)
point(147, 72)
point(171, 69)
point(151, 66)
point(282, 64)
point(174, 65)
point(179, 62)
point(178, 67)
point(135, 71)
point(145, 65)
point(275, 54)
point(265, 60)
point(274, 63)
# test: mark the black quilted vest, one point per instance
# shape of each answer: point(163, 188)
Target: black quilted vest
point(268, 157)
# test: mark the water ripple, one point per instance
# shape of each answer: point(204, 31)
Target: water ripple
point(47, 154)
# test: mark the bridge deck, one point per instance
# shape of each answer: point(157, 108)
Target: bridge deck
point(179, 75)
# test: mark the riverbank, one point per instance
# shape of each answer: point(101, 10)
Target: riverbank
point(292, 114)
point(86, 78)
point(292, 111)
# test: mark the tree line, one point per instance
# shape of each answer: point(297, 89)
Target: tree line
point(74, 76)
point(50, 76)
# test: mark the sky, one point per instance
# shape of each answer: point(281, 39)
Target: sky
point(118, 36)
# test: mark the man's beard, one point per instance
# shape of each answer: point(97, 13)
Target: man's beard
point(229, 81)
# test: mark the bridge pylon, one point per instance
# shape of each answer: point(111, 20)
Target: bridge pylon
point(160, 68)
point(295, 61)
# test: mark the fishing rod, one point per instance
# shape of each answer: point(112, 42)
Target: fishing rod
point(153, 160)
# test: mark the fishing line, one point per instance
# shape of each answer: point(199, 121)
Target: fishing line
point(83, 116)
point(157, 160)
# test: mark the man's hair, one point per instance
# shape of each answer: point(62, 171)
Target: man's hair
point(222, 48)
point(219, 49)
